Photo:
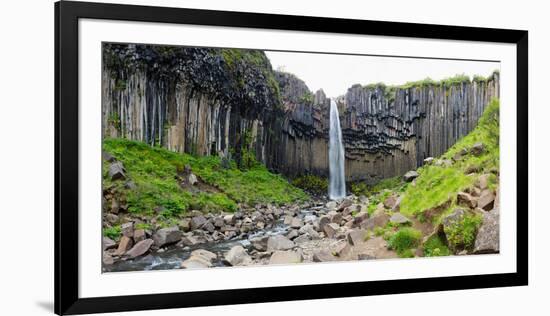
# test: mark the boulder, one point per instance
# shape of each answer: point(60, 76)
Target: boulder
point(196, 263)
point(107, 259)
point(410, 175)
point(331, 230)
point(323, 221)
point(279, 242)
point(331, 205)
point(335, 217)
point(399, 218)
point(197, 222)
point(390, 202)
point(360, 218)
point(108, 243)
point(288, 220)
point(356, 237)
point(465, 199)
point(486, 200)
point(111, 218)
point(166, 236)
point(323, 256)
point(237, 256)
point(140, 248)
point(185, 224)
point(376, 221)
point(207, 255)
point(259, 243)
point(477, 149)
point(309, 230)
point(302, 239)
point(219, 222)
point(127, 229)
point(483, 181)
point(296, 223)
point(293, 233)
point(188, 241)
point(192, 179)
point(117, 171)
point(139, 235)
point(429, 160)
point(345, 203)
point(285, 257)
point(108, 157)
point(487, 238)
point(229, 219)
point(124, 245)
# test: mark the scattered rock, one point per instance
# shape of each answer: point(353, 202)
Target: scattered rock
point(185, 224)
point(356, 237)
point(486, 200)
point(117, 171)
point(140, 248)
point(345, 203)
point(331, 229)
point(323, 255)
point(237, 256)
point(229, 219)
point(127, 229)
point(260, 243)
point(293, 233)
point(296, 223)
point(331, 205)
point(192, 179)
point(376, 221)
point(197, 222)
point(196, 263)
point(111, 218)
point(390, 202)
point(124, 245)
point(279, 242)
point(139, 235)
point(285, 257)
point(188, 241)
point(477, 149)
point(399, 218)
point(465, 199)
point(483, 181)
point(209, 256)
point(107, 259)
point(323, 221)
point(309, 230)
point(108, 157)
point(335, 217)
point(410, 175)
point(166, 236)
point(487, 238)
point(472, 169)
point(302, 239)
point(108, 243)
point(429, 160)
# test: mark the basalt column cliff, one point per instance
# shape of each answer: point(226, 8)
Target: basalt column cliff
point(230, 102)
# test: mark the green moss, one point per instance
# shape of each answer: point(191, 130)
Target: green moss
point(112, 232)
point(462, 234)
point(405, 239)
point(155, 170)
point(311, 183)
point(435, 247)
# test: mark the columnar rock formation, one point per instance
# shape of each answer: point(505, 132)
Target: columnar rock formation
point(230, 102)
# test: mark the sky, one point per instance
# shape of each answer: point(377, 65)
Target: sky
point(336, 73)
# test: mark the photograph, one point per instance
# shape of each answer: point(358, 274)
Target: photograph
point(216, 157)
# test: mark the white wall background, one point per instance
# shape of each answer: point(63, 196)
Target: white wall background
point(26, 157)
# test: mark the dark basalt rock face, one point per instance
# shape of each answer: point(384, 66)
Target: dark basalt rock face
point(224, 101)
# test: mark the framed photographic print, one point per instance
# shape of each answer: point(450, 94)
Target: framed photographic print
point(208, 157)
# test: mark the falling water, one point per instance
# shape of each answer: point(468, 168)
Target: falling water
point(337, 183)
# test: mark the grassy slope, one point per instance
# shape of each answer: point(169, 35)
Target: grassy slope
point(155, 171)
point(438, 184)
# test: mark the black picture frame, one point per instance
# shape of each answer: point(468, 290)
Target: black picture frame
point(67, 15)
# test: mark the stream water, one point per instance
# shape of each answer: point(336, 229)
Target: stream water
point(173, 257)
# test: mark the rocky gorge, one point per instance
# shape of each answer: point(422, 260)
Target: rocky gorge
point(203, 148)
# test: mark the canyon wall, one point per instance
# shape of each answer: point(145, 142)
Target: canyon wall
point(230, 102)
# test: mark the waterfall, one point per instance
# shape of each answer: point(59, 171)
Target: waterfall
point(337, 180)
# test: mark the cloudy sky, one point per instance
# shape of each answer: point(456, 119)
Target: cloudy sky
point(336, 73)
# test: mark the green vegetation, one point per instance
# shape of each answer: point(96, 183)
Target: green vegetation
point(438, 184)
point(157, 174)
point(144, 226)
point(462, 234)
point(435, 247)
point(307, 98)
point(112, 232)
point(312, 184)
point(362, 188)
point(404, 240)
